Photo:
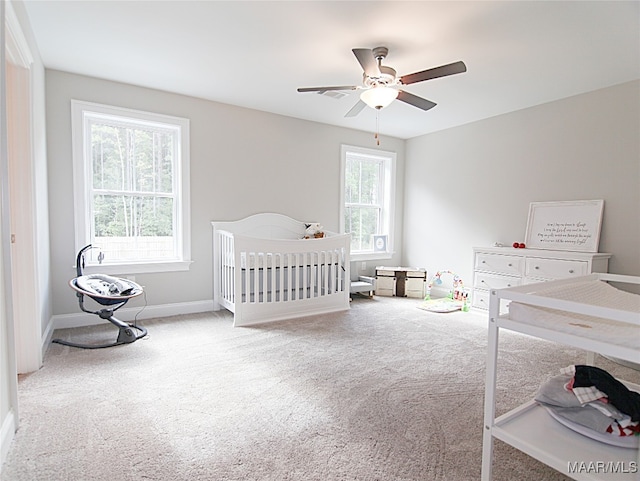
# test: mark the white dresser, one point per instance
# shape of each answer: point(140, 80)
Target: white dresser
point(500, 267)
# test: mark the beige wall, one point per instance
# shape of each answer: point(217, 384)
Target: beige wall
point(465, 186)
point(472, 185)
point(242, 162)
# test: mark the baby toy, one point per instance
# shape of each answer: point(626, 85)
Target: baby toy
point(313, 231)
point(455, 301)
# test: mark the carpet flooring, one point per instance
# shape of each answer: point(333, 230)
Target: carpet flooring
point(382, 392)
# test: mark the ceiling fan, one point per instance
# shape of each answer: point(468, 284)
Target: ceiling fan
point(380, 82)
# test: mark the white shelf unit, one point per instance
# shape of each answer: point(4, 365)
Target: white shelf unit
point(503, 267)
point(529, 428)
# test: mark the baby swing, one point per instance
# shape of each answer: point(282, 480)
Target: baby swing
point(113, 292)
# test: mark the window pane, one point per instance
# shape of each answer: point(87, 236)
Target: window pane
point(134, 249)
point(362, 223)
point(362, 180)
point(129, 216)
point(154, 161)
point(133, 227)
point(131, 159)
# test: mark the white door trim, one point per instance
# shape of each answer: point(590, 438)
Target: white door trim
point(26, 299)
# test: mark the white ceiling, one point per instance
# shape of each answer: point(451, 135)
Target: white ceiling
point(255, 54)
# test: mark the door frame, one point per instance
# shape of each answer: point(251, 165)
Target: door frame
point(25, 293)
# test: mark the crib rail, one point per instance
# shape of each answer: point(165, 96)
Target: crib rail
point(267, 279)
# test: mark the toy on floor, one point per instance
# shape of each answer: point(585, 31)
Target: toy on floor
point(455, 301)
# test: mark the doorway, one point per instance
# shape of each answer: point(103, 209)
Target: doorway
point(26, 318)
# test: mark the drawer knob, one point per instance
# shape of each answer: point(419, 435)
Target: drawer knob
point(536, 267)
point(570, 271)
point(484, 262)
point(508, 285)
point(509, 264)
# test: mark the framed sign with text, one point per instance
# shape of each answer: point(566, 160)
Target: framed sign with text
point(567, 225)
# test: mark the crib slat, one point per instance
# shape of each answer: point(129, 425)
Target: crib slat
point(299, 273)
point(305, 275)
point(265, 278)
point(332, 268)
point(231, 270)
point(223, 262)
point(277, 287)
point(314, 274)
point(230, 255)
point(289, 261)
point(256, 276)
point(261, 294)
point(340, 271)
point(247, 278)
point(267, 286)
point(325, 273)
point(226, 265)
point(329, 272)
point(336, 263)
point(294, 278)
point(274, 271)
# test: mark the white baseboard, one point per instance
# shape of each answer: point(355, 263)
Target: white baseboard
point(127, 314)
point(7, 432)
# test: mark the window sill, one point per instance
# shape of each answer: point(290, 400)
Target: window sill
point(137, 268)
point(370, 256)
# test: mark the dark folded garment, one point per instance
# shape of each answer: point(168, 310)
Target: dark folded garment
point(625, 400)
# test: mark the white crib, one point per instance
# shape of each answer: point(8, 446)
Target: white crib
point(263, 270)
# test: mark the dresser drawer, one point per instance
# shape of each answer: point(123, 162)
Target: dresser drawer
point(385, 272)
point(386, 283)
point(499, 263)
point(415, 287)
point(480, 299)
point(555, 268)
point(417, 274)
point(484, 280)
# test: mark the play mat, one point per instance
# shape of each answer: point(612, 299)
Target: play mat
point(455, 301)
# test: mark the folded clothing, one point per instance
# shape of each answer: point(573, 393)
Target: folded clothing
point(595, 415)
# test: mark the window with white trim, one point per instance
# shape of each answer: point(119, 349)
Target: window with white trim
point(131, 188)
point(367, 201)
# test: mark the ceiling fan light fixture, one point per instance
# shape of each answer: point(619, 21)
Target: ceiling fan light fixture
point(379, 97)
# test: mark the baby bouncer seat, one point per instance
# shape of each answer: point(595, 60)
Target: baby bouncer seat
point(108, 291)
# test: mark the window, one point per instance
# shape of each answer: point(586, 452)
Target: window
point(131, 191)
point(367, 189)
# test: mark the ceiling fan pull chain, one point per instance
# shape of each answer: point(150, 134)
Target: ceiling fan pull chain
point(377, 137)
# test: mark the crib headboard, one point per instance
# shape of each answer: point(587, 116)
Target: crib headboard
point(265, 226)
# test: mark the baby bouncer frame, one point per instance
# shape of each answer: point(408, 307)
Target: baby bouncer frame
point(127, 333)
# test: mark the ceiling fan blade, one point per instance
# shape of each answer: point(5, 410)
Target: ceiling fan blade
point(442, 71)
point(416, 101)
point(367, 61)
point(325, 89)
point(356, 109)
